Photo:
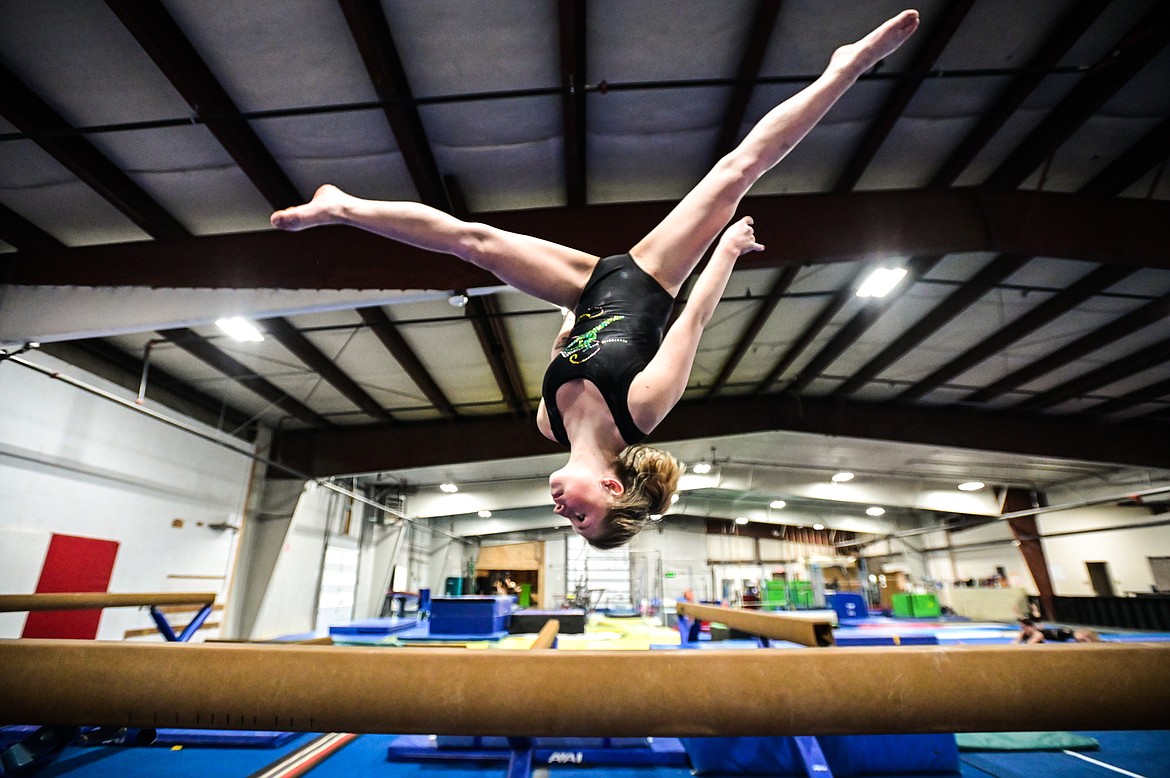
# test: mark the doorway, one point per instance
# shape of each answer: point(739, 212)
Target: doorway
point(1100, 579)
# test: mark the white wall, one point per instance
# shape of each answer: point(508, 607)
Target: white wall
point(290, 601)
point(1126, 550)
point(75, 464)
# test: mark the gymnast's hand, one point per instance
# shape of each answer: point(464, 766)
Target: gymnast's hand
point(740, 238)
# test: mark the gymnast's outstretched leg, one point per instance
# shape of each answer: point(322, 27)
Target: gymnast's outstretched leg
point(671, 251)
point(538, 267)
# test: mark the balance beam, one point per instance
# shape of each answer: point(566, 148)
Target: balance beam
point(915, 689)
point(10, 603)
point(806, 630)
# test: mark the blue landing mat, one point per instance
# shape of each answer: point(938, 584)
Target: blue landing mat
point(386, 626)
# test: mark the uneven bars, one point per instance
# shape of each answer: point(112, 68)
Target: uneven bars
point(10, 603)
point(908, 689)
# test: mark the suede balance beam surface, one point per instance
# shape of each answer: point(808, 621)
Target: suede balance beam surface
point(807, 630)
point(10, 603)
point(587, 693)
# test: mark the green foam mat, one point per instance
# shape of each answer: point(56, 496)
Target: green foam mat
point(1024, 741)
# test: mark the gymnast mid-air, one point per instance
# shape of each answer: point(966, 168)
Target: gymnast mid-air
point(615, 371)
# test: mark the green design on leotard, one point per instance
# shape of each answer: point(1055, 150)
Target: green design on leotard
point(582, 347)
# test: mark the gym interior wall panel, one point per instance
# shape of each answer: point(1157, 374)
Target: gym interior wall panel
point(289, 604)
point(75, 464)
point(1126, 551)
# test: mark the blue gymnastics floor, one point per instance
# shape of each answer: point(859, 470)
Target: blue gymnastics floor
point(1141, 754)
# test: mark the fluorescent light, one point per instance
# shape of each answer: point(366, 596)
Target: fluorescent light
point(240, 329)
point(881, 281)
point(841, 478)
point(818, 526)
point(971, 486)
point(741, 519)
point(777, 504)
point(485, 514)
point(702, 468)
point(674, 498)
point(875, 511)
point(448, 488)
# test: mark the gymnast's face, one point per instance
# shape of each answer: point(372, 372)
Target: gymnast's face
point(583, 498)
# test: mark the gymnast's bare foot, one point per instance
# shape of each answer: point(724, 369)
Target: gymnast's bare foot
point(856, 58)
point(324, 208)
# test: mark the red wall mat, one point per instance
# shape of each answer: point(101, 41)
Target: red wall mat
point(72, 564)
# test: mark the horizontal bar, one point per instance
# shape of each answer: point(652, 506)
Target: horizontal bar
point(89, 600)
point(806, 629)
point(587, 693)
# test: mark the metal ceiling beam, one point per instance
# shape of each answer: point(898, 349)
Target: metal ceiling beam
point(1150, 313)
point(574, 59)
point(387, 331)
point(23, 235)
point(195, 345)
point(1148, 153)
point(497, 349)
point(1055, 47)
point(295, 341)
point(1067, 32)
point(877, 133)
point(1151, 393)
point(352, 450)
point(1117, 176)
point(958, 301)
point(760, 29)
point(760, 32)
point(1059, 304)
point(1125, 59)
point(835, 228)
point(371, 33)
point(30, 114)
point(810, 332)
point(942, 30)
point(870, 312)
point(764, 310)
point(160, 37)
point(1129, 365)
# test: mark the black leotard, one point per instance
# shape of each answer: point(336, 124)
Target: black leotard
point(621, 319)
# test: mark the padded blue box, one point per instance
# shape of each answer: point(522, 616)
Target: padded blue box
point(479, 615)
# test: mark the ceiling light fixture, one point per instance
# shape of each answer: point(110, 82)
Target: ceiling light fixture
point(485, 514)
point(777, 504)
point(841, 478)
point(702, 468)
point(971, 486)
point(741, 519)
point(448, 488)
point(240, 329)
point(818, 527)
point(875, 511)
point(881, 281)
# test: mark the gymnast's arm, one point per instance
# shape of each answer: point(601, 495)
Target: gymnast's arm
point(562, 340)
point(661, 383)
